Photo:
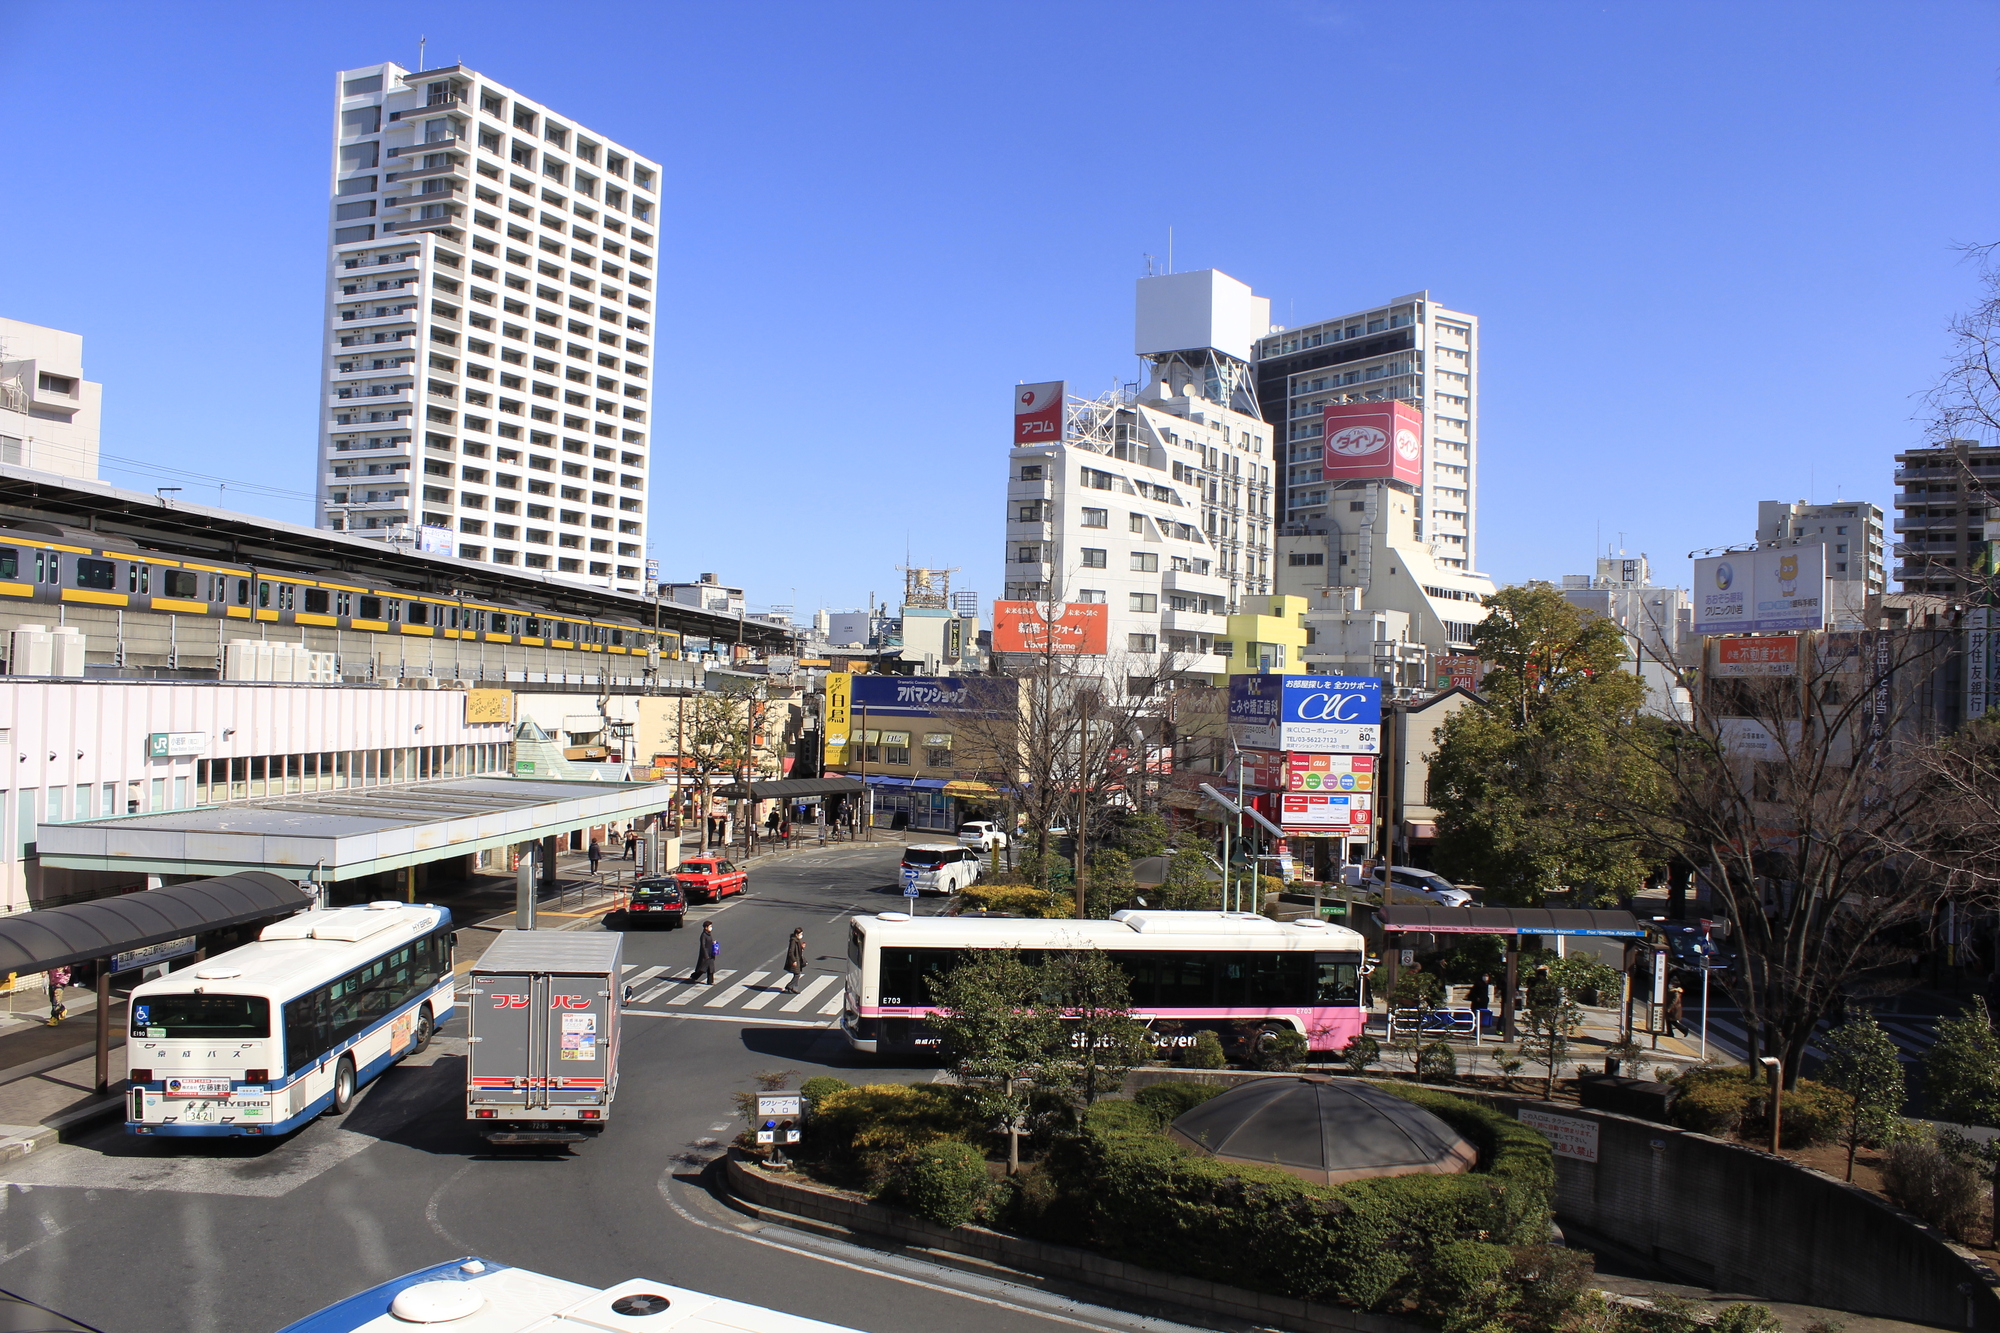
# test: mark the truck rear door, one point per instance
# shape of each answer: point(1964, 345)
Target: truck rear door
point(502, 1022)
point(579, 1039)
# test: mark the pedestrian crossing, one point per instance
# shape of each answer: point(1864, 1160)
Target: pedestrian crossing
point(667, 990)
point(1729, 1035)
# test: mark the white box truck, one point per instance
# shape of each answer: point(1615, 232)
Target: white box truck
point(542, 1033)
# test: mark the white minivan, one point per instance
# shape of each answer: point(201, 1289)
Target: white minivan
point(939, 867)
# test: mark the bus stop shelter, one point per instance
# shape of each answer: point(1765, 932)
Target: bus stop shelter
point(133, 929)
point(1511, 923)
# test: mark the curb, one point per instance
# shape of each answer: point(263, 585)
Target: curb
point(18, 1141)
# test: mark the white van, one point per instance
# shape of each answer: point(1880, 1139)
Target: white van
point(940, 867)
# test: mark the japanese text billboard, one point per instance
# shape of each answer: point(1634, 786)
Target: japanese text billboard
point(1330, 714)
point(1325, 810)
point(1253, 711)
point(1330, 772)
point(1038, 413)
point(1775, 656)
point(1066, 628)
point(1383, 439)
point(1761, 592)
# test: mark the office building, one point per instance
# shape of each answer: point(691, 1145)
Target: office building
point(1942, 495)
point(48, 410)
point(489, 347)
point(1851, 531)
point(1155, 502)
point(1658, 624)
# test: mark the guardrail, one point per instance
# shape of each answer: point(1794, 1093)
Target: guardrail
point(1438, 1023)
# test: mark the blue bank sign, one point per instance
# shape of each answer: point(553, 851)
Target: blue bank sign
point(1330, 714)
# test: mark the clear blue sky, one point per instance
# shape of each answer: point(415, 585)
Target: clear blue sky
point(1711, 244)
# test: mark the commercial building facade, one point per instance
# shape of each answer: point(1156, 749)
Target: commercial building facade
point(1851, 531)
point(489, 331)
point(1942, 496)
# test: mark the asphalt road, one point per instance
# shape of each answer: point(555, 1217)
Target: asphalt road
point(203, 1236)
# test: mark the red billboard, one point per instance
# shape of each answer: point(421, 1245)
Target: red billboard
point(1038, 413)
point(1059, 627)
point(1374, 440)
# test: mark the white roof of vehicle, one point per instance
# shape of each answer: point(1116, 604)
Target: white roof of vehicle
point(302, 950)
point(933, 847)
point(1128, 929)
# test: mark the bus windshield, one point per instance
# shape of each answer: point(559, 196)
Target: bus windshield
point(234, 1017)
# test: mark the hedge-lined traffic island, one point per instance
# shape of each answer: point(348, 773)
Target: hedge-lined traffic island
point(1455, 1251)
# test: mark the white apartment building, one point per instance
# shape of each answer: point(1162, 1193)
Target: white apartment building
point(1157, 502)
point(490, 288)
point(1412, 350)
point(1658, 624)
point(1851, 531)
point(48, 410)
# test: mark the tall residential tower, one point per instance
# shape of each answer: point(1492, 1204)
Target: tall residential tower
point(490, 289)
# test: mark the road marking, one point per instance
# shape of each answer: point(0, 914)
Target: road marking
point(764, 997)
point(701, 988)
point(799, 1001)
point(645, 976)
point(735, 993)
point(832, 1005)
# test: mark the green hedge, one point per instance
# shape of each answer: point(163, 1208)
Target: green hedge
point(1368, 1243)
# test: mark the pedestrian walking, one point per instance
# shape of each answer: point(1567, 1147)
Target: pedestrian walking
point(1672, 1013)
point(631, 844)
point(707, 950)
point(596, 854)
point(795, 959)
point(58, 1011)
point(785, 832)
point(771, 822)
point(1481, 996)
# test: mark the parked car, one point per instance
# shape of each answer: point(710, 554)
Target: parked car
point(940, 867)
point(1689, 949)
point(657, 901)
point(710, 879)
point(982, 834)
point(1407, 884)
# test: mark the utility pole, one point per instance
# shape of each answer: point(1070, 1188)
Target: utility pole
point(863, 809)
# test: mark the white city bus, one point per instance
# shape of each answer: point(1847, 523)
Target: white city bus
point(1236, 974)
point(263, 1038)
point(481, 1296)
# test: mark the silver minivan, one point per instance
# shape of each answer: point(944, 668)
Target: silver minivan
point(939, 867)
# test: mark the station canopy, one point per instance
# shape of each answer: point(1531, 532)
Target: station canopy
point(1509, 921)
point(792, 789)
point(59, 936)
point(346, 834)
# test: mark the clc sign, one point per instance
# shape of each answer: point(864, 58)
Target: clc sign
point(1331, 714)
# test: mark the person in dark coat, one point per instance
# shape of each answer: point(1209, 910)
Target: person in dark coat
point(596, 854)
point(631, 844)
point(707, 950)
point(1671, 1013)
point(1481, 996)
point(795, 959)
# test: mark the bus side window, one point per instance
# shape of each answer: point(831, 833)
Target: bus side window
point(305, 1030)
point(10, 562)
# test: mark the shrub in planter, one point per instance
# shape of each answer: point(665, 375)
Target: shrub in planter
point(863, 1130)
point(1437, 1063)
point(1361, 1052)
point(1167, 1100)
point(1030, 1203)
point(1937, 1186)
point(944, 1181)
point(1280, 1049)
point(1464, 1283)
point(817, 1089)
point(1809, 1114)
point(1714, 1100)
point(1206, 1053)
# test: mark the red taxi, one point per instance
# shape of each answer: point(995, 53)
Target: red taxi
point(710, 879)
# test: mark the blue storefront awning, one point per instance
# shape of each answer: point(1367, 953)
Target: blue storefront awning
point(928, 784)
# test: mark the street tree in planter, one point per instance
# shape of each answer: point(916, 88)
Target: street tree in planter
point(1101, 1037)
point(1861, 1062)
point(1553, 1012)
point(1003, 1038)
point(1962, 1084)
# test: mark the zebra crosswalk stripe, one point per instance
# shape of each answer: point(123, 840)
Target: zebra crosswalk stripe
point(832, 1005)
point(804, 997)
point(700, 989)
point(735, 993)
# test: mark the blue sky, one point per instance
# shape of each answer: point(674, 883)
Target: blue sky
point(1711, 245)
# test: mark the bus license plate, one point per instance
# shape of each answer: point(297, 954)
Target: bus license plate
point(197, 1087)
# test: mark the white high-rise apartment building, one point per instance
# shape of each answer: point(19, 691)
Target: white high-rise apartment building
point(1156, 502)
point(490, 289)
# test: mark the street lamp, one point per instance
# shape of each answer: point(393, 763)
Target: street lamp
point(1776, 1071)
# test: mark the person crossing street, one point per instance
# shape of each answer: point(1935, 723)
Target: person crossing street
point(795, 959)
point(707, 950)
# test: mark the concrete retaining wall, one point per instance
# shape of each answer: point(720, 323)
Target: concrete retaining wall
point(1731, 1218)
point(1063, 1262)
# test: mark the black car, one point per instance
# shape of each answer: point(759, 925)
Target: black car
point(1689, 951)
point(657, 902)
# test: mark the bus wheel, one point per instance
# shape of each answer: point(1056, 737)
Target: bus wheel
point(426, 1029)
point(343, 1086)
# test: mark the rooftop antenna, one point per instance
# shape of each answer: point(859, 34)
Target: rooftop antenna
point(422, 42)
point(1170, 249)
point(1149, 263)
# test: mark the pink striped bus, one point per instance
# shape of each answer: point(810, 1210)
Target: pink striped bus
point(1236, 974)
